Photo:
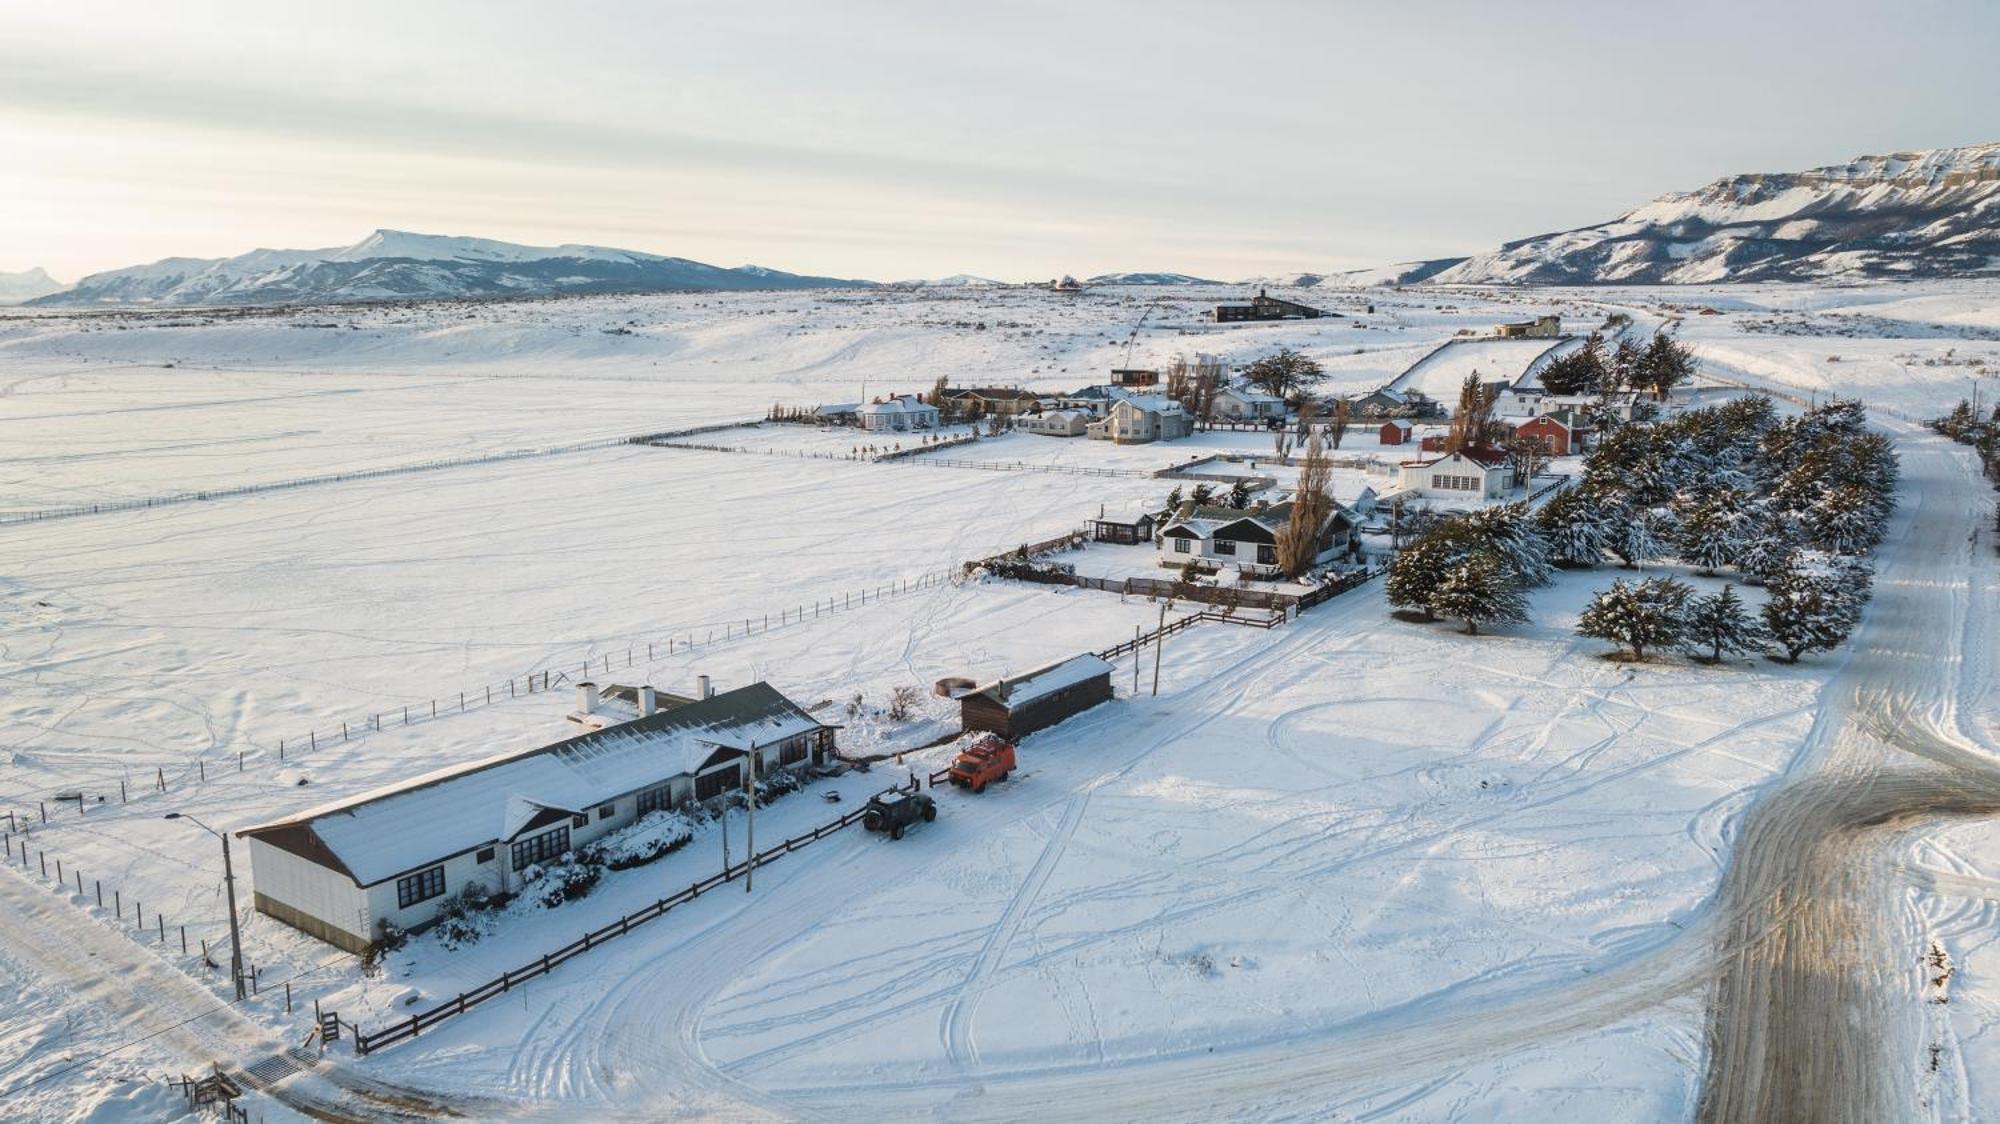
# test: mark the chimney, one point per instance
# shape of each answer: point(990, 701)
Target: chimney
point(702, 689)
point(586, 697)
point(648, 701)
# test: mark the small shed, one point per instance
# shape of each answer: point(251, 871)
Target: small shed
point(1126, 531)
point(1395, 431)
point(1018, 706)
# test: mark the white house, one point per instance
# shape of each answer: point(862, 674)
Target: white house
point(1055, 423)
point(396, 856)
point(1237, 403)
point(1143, 418)
point(1466, 474)
point(899, 413)
point(1245, 540)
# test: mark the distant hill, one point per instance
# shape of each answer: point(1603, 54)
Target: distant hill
point(955, 281)
point(1401, 273)
point(1909, 214)
point(1148, 279)
point(26, 286)
point(391, 264)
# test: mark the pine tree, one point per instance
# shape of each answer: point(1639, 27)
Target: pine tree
point(1573, 525)
point(1640, 615)
point(1174, 499)
point(1711, 533)
point(1810, 610)
point(1769, 545)
point(1662, 366)
point(1203, 495)
point(1420, 568)
point(1719, 625)
point(1578, 372)
point(1480, 590)
point(1510, 533)
point(1239, 495)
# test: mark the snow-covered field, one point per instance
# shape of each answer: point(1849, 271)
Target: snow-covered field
point(1343, 831)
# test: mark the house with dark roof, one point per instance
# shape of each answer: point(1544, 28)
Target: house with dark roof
point(1245, 540)
point(1263, 306)
point(345, 871)
point(1021, 704)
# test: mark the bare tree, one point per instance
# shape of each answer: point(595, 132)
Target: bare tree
point(1298, 543)
point(1473, 424)
point(1342, 410)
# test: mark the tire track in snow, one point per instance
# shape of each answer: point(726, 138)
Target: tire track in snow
point(959, 1044)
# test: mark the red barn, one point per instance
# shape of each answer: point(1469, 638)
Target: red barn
point(1432, 444)
point(1395, 431)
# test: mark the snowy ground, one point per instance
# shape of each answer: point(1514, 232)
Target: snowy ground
point(1314, 838)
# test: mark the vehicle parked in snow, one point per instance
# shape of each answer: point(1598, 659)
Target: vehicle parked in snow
point(986, 761)
point(896, 809)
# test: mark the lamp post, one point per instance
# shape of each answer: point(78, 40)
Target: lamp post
point(229, 883)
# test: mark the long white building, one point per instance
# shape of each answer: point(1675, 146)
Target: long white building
point(398, 854)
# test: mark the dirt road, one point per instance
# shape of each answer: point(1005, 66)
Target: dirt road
point(1817, 1011)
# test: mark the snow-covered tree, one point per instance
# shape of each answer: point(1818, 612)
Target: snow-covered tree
point(1480, 590)
point(1712, 529)
point(1638, 537)
point(1420, 568)
point(1640, 615)
point(1719, 625)
point(1814, 604)
point(1508, 531)
point(1574, 526)
point(1239, 495)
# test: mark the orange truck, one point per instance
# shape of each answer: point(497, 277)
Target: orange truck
point(983, 762)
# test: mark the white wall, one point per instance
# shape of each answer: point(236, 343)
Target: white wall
point(311, 889)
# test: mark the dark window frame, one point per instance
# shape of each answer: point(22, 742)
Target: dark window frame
point(540, 848)
point(420, 887)
point(484, 856)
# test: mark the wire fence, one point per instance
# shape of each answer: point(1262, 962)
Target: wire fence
point(99, 790)
point(140, 503)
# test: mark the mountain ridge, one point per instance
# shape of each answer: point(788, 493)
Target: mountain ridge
point(393, 264)
point(1923, 214)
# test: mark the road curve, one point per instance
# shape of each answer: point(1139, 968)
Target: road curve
point(1816, 1014)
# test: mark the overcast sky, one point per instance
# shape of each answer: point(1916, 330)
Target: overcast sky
point(891, 140)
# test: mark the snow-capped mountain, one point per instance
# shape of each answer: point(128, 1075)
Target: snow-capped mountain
point(395, 264)
point(1148, 279)
point(27, 285)
point(1910, 214)
point(955, 281)
point(1401, 273)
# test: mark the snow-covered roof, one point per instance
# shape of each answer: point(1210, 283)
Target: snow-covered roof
point(1245, 394)
point(1021, 690)
point(900, 404)
point(391, 830)
point(1153, 404)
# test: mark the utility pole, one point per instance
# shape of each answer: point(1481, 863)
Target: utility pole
point(1159, 642)
point(229, 883)
point(750, 831)
point(1135, 661)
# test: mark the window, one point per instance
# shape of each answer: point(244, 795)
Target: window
point(581, 819)
point(1225, 546)
point(604, 813)
point(484, 856)
point(541, 848)
point(793, 752)
point(716, 783)
point(1267, 555)
point(1180, 546)
point(421, 886)
point(655, 798)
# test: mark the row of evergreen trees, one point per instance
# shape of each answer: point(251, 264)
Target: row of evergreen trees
point(1658, 367)
point(1793, 504)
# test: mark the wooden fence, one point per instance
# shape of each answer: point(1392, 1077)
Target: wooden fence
point(366, 1042)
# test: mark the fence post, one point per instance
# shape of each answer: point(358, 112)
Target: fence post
point(184, 944)
point(202, 768)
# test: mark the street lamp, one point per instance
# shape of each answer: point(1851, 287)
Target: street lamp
point(229, 882)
